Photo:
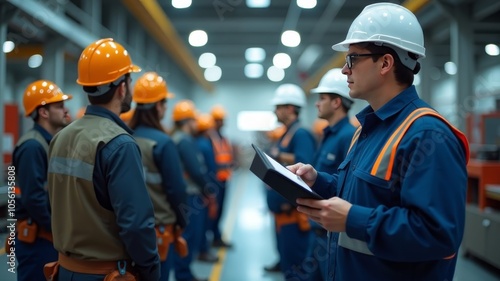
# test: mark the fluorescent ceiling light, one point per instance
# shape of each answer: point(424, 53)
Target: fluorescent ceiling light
point(490, 49)
point(256, 120)
point(306, 4)
point(213, 73)
point(275, 74)
point(282, 60)
point(254, 70)
point(35, 61)
point(181, 4)
point(450, 68)
point(256, 3)
point(290, 38)
point(198, 38)
point(8, 46)
point(255, 54)
point(207, 60)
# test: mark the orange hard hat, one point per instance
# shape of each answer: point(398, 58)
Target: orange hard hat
point(184, 109)
point(204, 122)
point(319, 125)
point(103, 62)
point(218, 112)
point(42, 92)
point(150, 88)
point(127, 116)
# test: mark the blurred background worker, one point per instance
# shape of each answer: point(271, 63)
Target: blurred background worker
point(296, 145)
point(205, 125)
point(224, 159)
point(193, 164)
point(333, 104)
point(317, 128)
point(102, 215)
point(44, 103)
point(162, 168)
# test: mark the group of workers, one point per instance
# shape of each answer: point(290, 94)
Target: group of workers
point(106, 199)
point(128, 201)
point(394, 182)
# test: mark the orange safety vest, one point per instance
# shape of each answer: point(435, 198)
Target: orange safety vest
point(223, 156)
point(382, 168)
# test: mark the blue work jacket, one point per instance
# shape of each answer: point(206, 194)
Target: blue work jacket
point(30, 160)
point(334, 146)
point(123, 191)
point(302, 145)
point(194, 166)
point(168, 163)
point(412, 222)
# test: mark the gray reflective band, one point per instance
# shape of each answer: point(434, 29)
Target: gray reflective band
point(153, 178)
point(353, 244)
point(71, 167)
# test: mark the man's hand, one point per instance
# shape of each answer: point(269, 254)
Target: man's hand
point(331, 214)
point(306, 172)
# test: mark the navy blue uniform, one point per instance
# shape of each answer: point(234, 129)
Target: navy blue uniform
point(30, 160)
point(416, 219)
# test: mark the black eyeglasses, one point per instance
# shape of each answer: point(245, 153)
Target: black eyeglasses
point(349, 59)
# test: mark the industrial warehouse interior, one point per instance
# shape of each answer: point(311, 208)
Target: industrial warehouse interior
point(235, 54)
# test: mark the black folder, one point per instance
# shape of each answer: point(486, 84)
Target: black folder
point(267, 169)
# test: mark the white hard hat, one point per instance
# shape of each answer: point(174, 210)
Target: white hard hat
point(390, 25)
point(333, 82)
point(289, 94)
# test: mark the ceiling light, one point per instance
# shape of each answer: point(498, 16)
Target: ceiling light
point(35, 61)
point(282, 60)
point(8, 46)
point(198, 38)
point(290, 38)
point(257, 3)
point(275, 74)
point(254, 70)
point(306, 4)
point(450, 68)
point(255, 54)
point(213, 73)
point(207, 60)
point(490, 49)
point(181, 4)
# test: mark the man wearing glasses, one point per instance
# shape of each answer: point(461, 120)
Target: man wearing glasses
point(397, 203)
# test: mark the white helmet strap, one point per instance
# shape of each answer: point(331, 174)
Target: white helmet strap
point(403, 55)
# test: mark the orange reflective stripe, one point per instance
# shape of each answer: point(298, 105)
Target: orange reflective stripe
point(386, 157)
point(285, 140)
point(382, 168)
point(354, 138)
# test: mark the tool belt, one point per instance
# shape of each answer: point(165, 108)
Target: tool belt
point(28, 231)
point(292, 217)
point(113, 270)
point(166, 235)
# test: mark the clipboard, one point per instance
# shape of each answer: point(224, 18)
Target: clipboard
point(279, 178)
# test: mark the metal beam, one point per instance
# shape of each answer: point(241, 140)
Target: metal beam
point(153, 18)
point(46, 17)
point(339, 59)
